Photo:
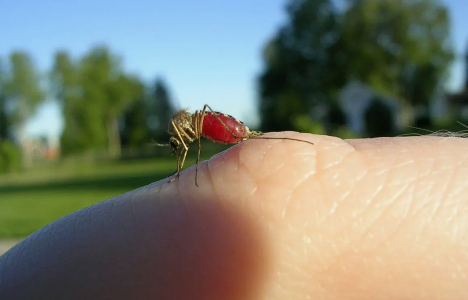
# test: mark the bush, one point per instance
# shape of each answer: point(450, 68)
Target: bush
point(10, 157)
point(304, 123)
point(344, 132)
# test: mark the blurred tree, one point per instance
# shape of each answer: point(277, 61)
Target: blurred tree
point(20, 94)
point(148, 118)
point(303, 64)
point(336, 118)
point(4, 122)
point(134, 130)
point(304, 123)
point(67, 90)
point(94, 93)
point(379, 119)
point(399, 47)
point(10, 157)
point(162, 110)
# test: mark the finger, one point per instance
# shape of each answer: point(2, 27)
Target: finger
point(160, 241)
point(317, 238)
point(372, 219)
point(357, 219)
point(165, 240)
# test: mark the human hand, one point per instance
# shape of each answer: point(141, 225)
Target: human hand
point(271, 219)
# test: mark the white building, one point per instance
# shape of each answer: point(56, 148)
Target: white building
point(356, 97)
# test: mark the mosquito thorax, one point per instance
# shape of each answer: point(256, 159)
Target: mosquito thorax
point(182, 120)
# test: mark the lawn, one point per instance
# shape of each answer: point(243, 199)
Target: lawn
point(31, 200)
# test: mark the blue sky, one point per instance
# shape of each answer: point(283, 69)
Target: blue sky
point(208, 51)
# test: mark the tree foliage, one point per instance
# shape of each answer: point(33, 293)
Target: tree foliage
point(84, 127)
point(4, 117)
point(148, 118)
point(10, 157)
point(20, 94)
point(104, 106)
point(93, 91)
point(379, 119)
point(162, 109)
point(135, 130)
point(298, 60)
point(400, 48)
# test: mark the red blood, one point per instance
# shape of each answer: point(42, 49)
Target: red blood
point(214, 130)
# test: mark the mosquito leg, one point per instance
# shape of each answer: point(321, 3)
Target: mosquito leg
point(184, 155)
point(182, 134)
point(199, 119)
point(179, 135)
point(198, 127)
point(178, 167)
point(185, 149)
point(198, 160)
point(280, 138)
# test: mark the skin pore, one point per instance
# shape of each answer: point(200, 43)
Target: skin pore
point(361, 219)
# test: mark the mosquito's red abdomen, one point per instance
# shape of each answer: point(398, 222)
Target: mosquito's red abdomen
point(214, 130)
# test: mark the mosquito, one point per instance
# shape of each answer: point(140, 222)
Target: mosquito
point(185, 127)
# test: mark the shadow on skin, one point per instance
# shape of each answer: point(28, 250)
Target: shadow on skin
point(138, 246)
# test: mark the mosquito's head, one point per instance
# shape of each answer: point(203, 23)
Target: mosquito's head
point(175, 144)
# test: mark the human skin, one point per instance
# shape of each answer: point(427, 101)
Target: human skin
point(271, 219)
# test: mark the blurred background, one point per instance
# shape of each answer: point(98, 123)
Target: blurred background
point(87, 86)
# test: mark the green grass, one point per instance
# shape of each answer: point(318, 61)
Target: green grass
point(31, 200)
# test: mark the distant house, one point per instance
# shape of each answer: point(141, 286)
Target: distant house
point(457, 103)
point(438, 108)
point(356, 97)
point(39, 149)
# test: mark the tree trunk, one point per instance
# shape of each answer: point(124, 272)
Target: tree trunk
point(4, 124)
point(114, 137)
point(27, 147)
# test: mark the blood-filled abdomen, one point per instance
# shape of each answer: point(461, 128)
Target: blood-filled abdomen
point(214, 130)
